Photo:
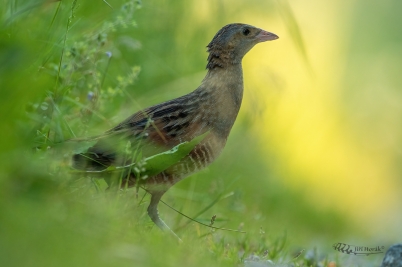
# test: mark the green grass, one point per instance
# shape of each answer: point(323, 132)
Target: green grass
point(66, 70)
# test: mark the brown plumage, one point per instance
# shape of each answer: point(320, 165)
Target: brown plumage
point(212, 107)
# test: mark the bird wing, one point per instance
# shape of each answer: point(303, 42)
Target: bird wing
point(153, 130)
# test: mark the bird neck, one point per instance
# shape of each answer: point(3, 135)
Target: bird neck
point(225, 81)
point(224, 90)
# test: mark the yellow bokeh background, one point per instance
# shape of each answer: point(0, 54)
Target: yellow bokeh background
point(305, 124)
point(297, 86)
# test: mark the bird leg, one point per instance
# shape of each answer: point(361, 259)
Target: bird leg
point(154, 214)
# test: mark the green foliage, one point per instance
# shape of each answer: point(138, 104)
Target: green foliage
point(79, 73)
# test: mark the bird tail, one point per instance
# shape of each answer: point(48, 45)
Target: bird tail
point(92, 161)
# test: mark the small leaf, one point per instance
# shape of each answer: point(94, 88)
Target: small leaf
point(82, 147)
point(160, 162)
point(110, 168)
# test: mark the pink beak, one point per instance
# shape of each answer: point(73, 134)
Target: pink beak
point(266, 36)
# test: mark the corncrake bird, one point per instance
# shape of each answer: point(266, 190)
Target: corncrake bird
point(209, 110)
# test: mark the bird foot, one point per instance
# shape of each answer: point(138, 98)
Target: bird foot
point(154, 214)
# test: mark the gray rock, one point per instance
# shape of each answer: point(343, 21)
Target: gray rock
point(393, 257)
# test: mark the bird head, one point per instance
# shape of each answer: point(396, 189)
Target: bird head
point(232, 42)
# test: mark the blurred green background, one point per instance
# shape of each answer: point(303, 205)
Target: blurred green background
point(314, 157)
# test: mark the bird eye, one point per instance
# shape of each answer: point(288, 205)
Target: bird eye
point(246, 31)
